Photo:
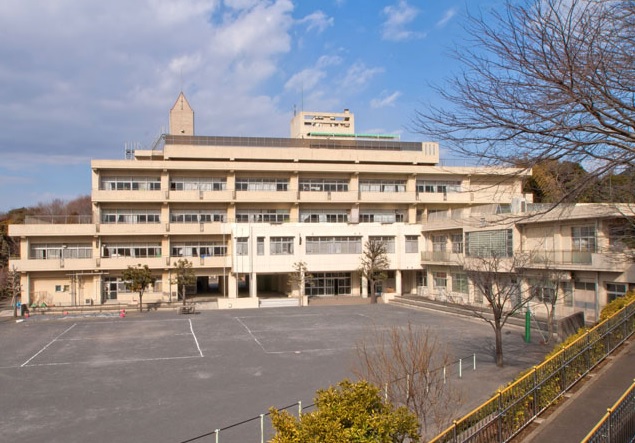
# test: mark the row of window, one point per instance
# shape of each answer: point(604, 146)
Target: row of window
point(126, 216)
point(277, 246)
point(273, 184)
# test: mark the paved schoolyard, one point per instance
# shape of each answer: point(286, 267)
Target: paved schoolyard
point(163, 377)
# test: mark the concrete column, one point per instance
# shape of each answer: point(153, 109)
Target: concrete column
point(364, 287)
point(398, 282)
point(253, 285)
point(232, 286)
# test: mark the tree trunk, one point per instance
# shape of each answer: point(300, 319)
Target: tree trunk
point(14, 305)
point(373, 294)
point(183, 289)
point(140, 301)
point(499, 345)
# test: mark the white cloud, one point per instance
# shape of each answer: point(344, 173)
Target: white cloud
point(328, 60)
point(447, 16)
point(385, 100)
point(317, 20)
point(358, 76)
point(306, 79)
point(398, 17)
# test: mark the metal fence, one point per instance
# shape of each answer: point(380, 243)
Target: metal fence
point(618, 424)
point(511, 409)
point(245, 430)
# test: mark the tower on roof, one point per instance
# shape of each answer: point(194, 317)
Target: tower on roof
point(181, 117)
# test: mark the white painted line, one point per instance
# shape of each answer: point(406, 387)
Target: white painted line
point(49, 344)
point(195, 339)
point(250, 333)
point(110, 362)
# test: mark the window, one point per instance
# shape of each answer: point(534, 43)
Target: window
point(459, 283)
point(422, 278)
point(329, 283)
point(130, 216)
point(198, 184)
point(131, 250)
point(62, 288)
point(242, 246)
point(438, 186)
point(198, 249)
point(262, 184)
point(382, 185)
point(323, 185)
point(43, 251)
point(412, 244)
point(543, 291)
point(567, 293)
point(615, 290)
point(333, 245)
point(130, 184)
point(381, 216)
point(262, 216)
point(281, 245)
point(323, 216)
point(489, 243)
point(439, 242)
point(440, 280)
point(389, 242)
point(260, 246)
point(583, 238)
point(194, 216)
point(457, 243)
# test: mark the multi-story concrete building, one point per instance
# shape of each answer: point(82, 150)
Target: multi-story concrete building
point(243, 210)
point(575, 255)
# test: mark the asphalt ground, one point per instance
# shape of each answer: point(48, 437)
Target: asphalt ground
point(164, 377)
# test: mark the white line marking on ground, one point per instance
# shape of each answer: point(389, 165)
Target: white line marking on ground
point(252, 335)
point(49, 344)
point(195, 339)
point(109, 362)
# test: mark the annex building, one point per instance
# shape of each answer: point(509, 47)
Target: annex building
point(245, 210)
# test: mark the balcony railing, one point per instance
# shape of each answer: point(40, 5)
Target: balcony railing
point(440, 256)
point(562, 257)
point(58, 219)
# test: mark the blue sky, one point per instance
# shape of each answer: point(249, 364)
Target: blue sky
point(79, 79)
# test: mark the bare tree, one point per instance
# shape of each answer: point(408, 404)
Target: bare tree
point(497, 279)
point(300, 277)
point(544, 80)
point(138, 279)
point(184, 276)
point(406, 362)
point(374, 265)
point(12, 288)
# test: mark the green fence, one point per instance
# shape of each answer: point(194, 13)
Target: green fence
point(511, 409)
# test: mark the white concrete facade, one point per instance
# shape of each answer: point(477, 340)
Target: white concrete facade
point(574, 252)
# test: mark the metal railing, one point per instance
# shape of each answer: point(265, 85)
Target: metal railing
point(618, 424)
point(513, 408)
point(454, 369)
point(58, 219)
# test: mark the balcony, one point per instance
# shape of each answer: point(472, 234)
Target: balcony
point(387, 197)
point(572, 260)
point(200, 196)
point(131, 228)
point(328, 196)
point(127, 196)
point(431, 257)
point(57, 264)
point(548, 258)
